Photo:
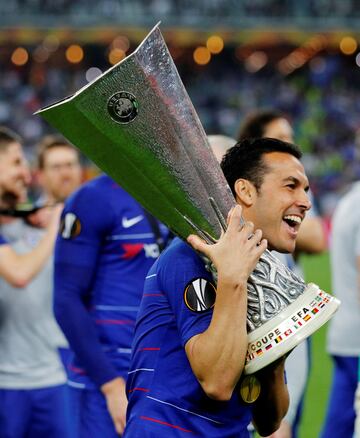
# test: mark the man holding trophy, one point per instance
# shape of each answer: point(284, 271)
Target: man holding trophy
point(189, 349)
point(214, 324)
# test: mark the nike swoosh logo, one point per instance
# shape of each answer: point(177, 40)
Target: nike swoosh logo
point(127, 223)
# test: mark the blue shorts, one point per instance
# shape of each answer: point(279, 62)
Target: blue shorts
point(90, 416)
point(340, 416)
point(33, 413)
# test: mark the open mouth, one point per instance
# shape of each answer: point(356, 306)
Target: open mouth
point(293, 222)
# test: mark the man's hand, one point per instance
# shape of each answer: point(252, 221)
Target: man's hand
point(42, 217)
point(238, 250)
point(284, 431)
point(114, 392)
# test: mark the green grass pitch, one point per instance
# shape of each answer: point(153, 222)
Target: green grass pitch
point(317, 270)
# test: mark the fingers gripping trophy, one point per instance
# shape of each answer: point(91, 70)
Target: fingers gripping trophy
point(137, 123)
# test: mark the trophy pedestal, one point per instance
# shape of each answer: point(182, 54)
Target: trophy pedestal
point(286, 330)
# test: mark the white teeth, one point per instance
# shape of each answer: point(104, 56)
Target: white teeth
point(293, 218)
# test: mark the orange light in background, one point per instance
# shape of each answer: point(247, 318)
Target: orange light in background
point(215, 44)
point(19, 56)
point(122, 43)
point(202, 55)
point(348, 45)
point(74, 54)
point(256, 61)
point(116, 55)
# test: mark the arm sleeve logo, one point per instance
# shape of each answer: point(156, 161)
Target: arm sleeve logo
point(70, 226)
point(200, 295)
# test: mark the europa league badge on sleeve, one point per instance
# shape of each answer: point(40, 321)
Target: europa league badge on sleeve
point(137, 123)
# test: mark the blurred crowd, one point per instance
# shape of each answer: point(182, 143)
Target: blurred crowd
point(186, 8)
point(321, 100)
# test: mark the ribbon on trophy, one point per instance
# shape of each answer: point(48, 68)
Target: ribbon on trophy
point(137, 123)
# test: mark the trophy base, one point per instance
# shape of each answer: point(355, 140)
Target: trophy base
point(281, 334)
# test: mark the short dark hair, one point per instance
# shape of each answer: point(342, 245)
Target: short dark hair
point(51, 142)
point(255, 123)
point(7, 136)
point(245, 159)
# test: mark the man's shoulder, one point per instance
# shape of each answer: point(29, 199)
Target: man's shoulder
point(179, 257)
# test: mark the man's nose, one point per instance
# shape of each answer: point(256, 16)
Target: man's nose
point(304, 201)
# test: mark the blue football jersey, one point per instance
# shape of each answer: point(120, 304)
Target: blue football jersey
point(105, 247)
point(165, 398)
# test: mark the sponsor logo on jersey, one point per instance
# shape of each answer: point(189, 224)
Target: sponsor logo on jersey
point(122, 107)
point(130, 222)
point(200, 295)
point(70, 226)
point(131, 250)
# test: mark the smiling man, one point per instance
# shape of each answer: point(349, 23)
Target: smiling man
point(186, 373)
point(275, 199)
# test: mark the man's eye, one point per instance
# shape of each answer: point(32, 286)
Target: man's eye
point(291, 186)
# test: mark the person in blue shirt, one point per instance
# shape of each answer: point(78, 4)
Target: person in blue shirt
point(105, 247)
point(188, 355)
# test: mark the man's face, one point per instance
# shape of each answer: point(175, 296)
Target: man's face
point(61, 174)
point(14, 173)
point(280, 129)
point(281, 202)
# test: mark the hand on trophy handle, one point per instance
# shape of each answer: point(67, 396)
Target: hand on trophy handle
point(234, 255)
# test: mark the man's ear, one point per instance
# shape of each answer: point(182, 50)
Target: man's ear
point(245, 192)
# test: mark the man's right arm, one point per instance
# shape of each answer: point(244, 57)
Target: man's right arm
point(217, 355)
point(19, 269)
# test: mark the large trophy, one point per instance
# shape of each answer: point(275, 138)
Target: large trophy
point(137, 123)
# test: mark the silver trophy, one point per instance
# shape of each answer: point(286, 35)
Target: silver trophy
point(137, 123)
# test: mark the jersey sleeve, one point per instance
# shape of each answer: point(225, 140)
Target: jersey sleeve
point(85, 221)
point(190, 290)
point(2, 240)
point(86, 218)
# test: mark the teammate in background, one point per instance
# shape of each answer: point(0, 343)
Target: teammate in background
point(19, 269)
point(190, 338)
point(107, 244)
point(311, 239)
point(31, 375)
point(60, 172)
point(343, 341)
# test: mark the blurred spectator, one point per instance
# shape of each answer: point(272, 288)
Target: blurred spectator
point(60, 172)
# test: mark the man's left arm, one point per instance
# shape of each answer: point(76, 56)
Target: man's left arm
point(273, 401)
